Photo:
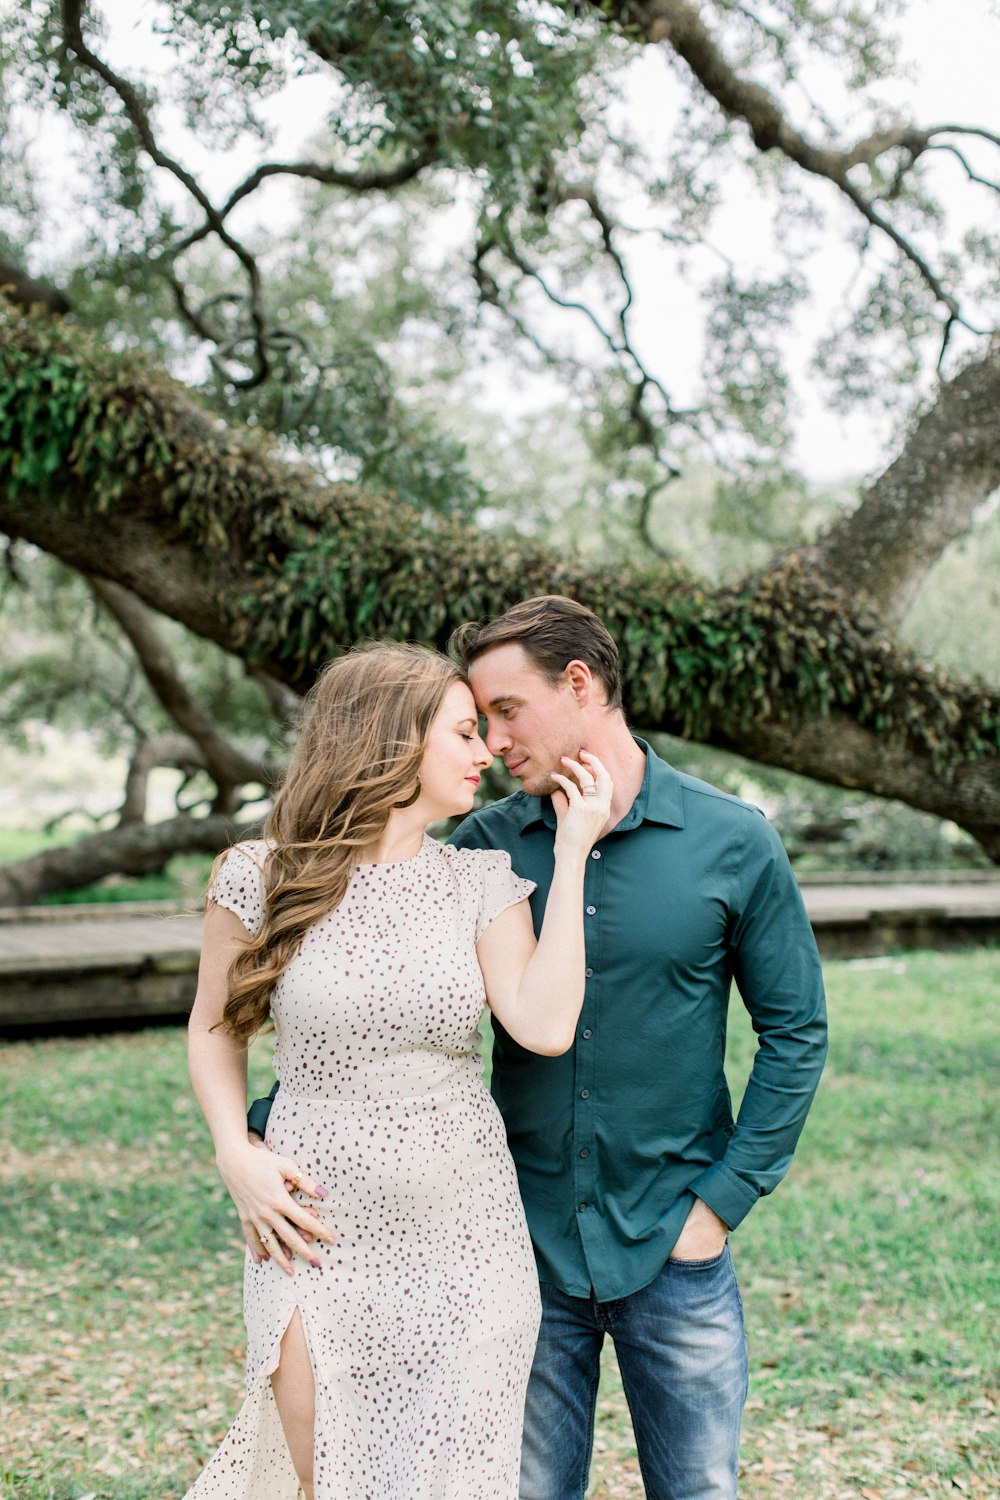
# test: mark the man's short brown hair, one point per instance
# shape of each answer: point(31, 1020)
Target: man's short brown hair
point(552, 631)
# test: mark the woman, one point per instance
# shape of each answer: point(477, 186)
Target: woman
point(391, 1324)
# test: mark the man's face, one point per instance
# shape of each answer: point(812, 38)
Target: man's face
point(530, 721)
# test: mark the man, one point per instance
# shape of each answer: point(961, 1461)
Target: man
point(630, 1166)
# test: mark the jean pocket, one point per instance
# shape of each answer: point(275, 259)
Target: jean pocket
point(699, 1265)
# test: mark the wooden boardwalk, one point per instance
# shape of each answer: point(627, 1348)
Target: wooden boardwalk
point(103, 963)
point(108, 964)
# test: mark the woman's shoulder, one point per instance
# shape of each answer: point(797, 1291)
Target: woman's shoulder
point(249, 852)
point(489, 872)
point(240, 868)
point(476, 861)
point(489, 881)
point(238, 883)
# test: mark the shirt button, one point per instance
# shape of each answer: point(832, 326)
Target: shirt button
point(587, 1034)
point(583, 1208)
point(595, 853)
point(584, 1093)
point(591, 910)
point(585, 1151)
point(589, 973)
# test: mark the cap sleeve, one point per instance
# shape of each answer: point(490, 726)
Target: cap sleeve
point(501, 888)
point(239, 884)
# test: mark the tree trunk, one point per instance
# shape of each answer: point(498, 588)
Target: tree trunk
point(228, 765)
point(884, 549)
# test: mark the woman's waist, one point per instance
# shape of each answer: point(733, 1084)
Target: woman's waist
point(381, 1083)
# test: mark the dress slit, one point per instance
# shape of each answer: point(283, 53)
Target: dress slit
point(273, 1363)
point(255, 1443)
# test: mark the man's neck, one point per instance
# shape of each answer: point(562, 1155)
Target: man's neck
point(625, 763)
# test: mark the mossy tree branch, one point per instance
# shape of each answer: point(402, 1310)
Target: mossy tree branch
point(117, 471)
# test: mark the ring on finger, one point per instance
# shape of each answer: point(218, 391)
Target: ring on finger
point(589, 791)
point(263, 1239)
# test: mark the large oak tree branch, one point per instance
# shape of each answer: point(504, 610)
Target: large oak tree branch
point(206, 524)
point(132, 849)
point(837, 749)
point(174, 750)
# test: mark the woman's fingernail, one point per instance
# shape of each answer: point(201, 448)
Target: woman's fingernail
point(316, 1264)
point(321, 1191)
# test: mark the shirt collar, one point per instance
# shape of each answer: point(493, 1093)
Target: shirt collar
point(660, 799)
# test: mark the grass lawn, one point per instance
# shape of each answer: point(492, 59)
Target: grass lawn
point(869, 1280)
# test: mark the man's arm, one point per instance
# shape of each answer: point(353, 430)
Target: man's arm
point(777, 970)
point(258, 1112)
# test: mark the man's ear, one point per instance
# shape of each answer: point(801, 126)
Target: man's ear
point(580, 679)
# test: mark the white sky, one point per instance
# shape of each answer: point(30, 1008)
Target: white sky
point(951, 49)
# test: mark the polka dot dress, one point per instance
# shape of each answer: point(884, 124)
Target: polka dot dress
point(421, 1324)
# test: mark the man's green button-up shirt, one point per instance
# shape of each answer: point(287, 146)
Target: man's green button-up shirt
point(613, 1140)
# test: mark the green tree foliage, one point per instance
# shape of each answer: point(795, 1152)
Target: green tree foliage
point(581, 194)
point(537, 191)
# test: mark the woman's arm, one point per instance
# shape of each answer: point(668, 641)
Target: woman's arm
point(536, 990)
point(255, 1177)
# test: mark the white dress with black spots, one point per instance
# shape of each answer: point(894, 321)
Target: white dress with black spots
point(421, 1324)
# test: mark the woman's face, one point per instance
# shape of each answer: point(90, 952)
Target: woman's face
point(454, 757)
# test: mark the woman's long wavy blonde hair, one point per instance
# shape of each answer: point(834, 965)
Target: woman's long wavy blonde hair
point(364, 728)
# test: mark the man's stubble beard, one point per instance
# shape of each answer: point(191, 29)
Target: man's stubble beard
point(541, 783)
point(539, 786)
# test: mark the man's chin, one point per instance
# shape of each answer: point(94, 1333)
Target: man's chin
point(541, 785)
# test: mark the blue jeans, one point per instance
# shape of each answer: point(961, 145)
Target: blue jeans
point(683, 1358)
